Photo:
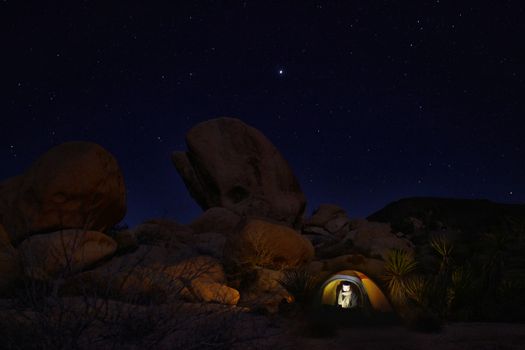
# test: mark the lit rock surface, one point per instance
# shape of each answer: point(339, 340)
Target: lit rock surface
point(262, 243)
point(73, 185)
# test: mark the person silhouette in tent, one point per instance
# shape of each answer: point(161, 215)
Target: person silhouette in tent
point(346, 298)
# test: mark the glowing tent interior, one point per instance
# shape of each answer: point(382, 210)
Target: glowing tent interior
point(367, 292)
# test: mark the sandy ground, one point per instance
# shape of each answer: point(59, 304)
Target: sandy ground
point(457, 336)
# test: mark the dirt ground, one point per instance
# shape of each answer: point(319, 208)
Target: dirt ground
point(457, 336)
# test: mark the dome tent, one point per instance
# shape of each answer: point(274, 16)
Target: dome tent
point(368, 293)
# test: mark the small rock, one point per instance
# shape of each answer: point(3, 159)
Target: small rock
point(324, 214)
point(336, 224)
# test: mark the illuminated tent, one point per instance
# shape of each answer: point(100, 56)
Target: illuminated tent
point(369, 294)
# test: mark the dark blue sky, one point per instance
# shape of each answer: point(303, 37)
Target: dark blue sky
point(375, 101)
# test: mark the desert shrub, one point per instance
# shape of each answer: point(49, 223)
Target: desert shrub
point(300, 283)
point(399, 268)
point(416, 288)
point(444, 248)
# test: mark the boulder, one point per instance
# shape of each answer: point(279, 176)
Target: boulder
point(64, 252)
point(217, 219)
point(73, 185)
point(337, 224)
point(265, 244)
point(209, 243)
point(375, 239)
point(203, 279)
point(10, 270)
point(266, 292)
point(215, 292)
point(322, 215)
point(317, 231)
point(134, 277)
point(232, 165)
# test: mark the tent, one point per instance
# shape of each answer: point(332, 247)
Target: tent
point(368, 293)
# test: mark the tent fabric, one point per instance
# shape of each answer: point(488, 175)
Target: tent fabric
point(369, 293)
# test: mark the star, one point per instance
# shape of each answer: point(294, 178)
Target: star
point(281, 71)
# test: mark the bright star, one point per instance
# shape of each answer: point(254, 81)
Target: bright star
point(281, 72)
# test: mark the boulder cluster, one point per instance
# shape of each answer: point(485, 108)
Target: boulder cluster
point(58, 225)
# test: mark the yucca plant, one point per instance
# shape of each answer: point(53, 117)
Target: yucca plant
point(398, 269)
point(417, 289)
point(444, 247)
point(460, 285)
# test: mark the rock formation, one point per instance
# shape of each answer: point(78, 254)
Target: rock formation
point(232, 165)
point(265, 244)
point(73, 185)
point(10, 270)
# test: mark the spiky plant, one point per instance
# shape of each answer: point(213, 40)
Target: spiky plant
point(398, 269)
point(417, 289)
point(444, 247)
point(460, 284)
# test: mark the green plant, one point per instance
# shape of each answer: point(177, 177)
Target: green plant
point(459, 290)
point(399, 266)
point(444, 247)
point(416, 289)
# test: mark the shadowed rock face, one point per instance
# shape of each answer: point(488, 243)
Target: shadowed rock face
point(232, 165)
point(73, 185)
point(65, 252)
point(470, 216)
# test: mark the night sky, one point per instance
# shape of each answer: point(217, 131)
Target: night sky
point(369, 101)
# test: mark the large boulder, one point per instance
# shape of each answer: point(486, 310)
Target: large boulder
point(375, 239)
point(232, 165)
point(10, 270)
point(266, 244)
point(73, 185)
point(64, 252)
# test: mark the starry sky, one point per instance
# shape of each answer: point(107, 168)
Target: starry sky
point(369, 101)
